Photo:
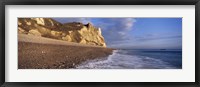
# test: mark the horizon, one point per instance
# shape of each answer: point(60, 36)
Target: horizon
point(137, 33)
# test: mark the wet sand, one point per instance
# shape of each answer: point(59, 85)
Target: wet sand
point(54, 54)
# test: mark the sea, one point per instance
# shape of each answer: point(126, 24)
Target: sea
point(137, 59)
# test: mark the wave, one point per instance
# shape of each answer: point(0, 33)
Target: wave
point(119, 60)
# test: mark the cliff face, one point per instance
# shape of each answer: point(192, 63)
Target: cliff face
point(73, 32)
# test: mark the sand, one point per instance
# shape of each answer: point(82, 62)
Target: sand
point(43, 40)
point(53, 54)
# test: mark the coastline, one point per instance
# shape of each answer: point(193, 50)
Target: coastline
point(44, 53)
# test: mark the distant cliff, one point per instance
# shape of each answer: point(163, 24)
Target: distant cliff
point(73, 32)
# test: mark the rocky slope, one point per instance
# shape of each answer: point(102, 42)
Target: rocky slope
point(72, 32)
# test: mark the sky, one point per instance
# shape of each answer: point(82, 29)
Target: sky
point(137, 33)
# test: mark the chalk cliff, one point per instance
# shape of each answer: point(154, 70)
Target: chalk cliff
point(72, 32)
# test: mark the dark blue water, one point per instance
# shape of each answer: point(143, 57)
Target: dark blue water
point(137, 59)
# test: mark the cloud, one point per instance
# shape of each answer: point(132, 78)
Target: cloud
point(122, 24)
point(149, 41)
point(65, 20)
point(171, 42)
point(128, 23)
point(156, 37)
point(115, 29)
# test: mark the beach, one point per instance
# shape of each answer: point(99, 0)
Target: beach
point(45, 53)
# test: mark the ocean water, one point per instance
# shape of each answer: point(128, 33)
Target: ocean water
point(137, 59)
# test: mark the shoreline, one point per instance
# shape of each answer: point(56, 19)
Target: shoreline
point(56, 56)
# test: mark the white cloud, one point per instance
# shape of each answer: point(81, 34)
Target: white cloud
point(82, 20)
point(116, 29)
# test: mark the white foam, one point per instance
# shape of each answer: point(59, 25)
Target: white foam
point(122, 61)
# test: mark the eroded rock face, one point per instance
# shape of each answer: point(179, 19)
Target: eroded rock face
point(73, 32)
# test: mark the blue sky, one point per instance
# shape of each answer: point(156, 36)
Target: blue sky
point(137, 33)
